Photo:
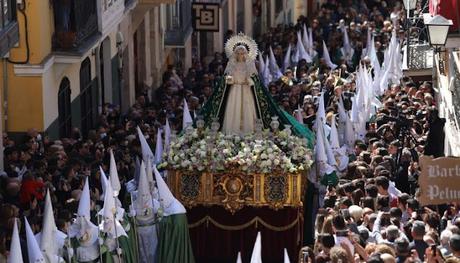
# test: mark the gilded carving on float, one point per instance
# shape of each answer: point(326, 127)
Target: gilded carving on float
point(235, 189)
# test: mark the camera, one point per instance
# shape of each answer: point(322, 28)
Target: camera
point(401, 121)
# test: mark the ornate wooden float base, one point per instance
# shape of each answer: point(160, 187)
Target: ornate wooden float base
point(235, 189)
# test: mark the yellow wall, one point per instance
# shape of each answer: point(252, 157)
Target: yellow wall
point(25, 102)
point(2, 80)
point(40, 28)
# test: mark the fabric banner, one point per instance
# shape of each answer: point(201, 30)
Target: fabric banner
point(439, 180)
point(218, 236)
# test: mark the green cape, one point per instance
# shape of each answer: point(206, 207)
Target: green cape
point(174, 244)
point(266, 108)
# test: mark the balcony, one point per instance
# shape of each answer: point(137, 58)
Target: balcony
point(418, 63)
point(76, 25)
point(111, 14)
point(179, 23)
point(420, 57)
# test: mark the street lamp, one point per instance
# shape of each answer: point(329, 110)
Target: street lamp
point(410, 4)
point(438, 28)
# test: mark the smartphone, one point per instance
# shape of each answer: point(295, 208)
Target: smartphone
point(433, 250)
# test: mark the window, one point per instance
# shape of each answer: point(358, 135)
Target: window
point(88, 98)
point(64, 108)
point(8, 12)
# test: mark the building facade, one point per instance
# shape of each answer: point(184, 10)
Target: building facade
point(9, 37)
point(446, 76)
point(72, 57)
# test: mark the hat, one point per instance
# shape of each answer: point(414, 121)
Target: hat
point(159, 147)
point(50, 239)
point(256, 256)
point(286, 256)
point(82, 228)
point(144, 202)
point(84, 204)
point(104, 181)
point(33, 250)
point(238, 258)
point(146, 151)
point(110, 223)
point(114, 175)
point(15, 255)
point(170, 204)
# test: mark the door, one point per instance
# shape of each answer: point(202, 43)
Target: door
point(88, 98)
point(64, 109)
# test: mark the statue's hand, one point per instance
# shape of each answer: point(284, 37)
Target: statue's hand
point(229, 79)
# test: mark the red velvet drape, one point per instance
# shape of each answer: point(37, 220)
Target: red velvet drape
point(449, 9)
point(212, 244)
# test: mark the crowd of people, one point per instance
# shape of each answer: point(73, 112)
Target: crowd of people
point(371, 214)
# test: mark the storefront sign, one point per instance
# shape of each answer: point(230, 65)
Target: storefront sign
point(439, 181)
point(205, 17)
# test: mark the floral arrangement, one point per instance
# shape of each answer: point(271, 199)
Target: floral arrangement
point(205, 150)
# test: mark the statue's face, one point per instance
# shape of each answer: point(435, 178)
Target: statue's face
point(240, 55)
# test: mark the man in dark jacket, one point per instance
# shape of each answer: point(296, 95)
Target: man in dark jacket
point(435, 140)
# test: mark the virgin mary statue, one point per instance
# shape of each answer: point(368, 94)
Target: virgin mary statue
point(240, 99)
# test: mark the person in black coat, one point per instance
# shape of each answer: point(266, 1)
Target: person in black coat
point(435, 140)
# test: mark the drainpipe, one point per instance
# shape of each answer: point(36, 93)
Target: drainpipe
point(3, 109)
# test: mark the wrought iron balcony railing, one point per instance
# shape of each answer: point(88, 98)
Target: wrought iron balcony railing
point(420, 57)
point(75, 23)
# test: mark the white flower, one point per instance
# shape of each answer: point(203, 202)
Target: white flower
point(263, 156)
point(276, 162)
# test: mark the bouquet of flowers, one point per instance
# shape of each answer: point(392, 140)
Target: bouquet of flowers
point(204, 150)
